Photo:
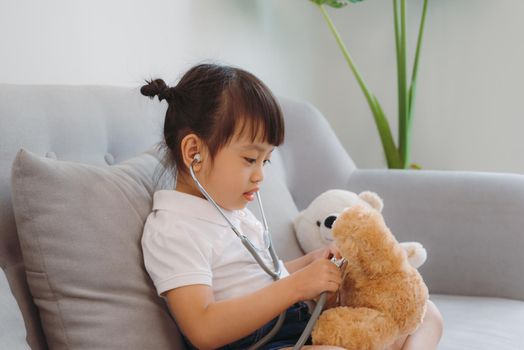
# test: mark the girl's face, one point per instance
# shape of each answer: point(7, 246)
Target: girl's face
point(237, 172)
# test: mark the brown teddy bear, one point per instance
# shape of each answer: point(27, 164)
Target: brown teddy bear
point(382, 297)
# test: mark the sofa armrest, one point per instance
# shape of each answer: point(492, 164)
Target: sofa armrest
point(471, 223)
point(12, 329)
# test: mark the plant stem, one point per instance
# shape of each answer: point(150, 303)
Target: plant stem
point(400, 36)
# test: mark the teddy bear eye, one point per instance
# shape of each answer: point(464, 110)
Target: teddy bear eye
point(318, 223)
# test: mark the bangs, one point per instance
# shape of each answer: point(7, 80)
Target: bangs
point(250, 109)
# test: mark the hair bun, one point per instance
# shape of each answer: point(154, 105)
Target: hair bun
point(154, 88)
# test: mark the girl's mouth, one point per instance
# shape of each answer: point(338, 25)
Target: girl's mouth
point(250, 196)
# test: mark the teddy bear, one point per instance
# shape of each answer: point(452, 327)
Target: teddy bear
point(313, 224)
point(382, 297)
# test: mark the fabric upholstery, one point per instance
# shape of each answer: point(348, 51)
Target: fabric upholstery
point(80, 228)
point(473, 323)
point(12, 330)
point(469, 222)
point(312, 156)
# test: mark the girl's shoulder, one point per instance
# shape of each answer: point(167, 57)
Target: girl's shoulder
point(164, 230)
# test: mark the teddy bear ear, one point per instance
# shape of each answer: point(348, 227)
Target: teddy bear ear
point(373, 199)
point(298, 219)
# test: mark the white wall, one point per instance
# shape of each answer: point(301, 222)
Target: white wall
point(468, 111)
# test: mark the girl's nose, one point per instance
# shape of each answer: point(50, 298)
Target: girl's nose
point(258, 174)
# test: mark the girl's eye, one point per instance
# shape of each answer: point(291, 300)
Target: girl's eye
point(253, 161)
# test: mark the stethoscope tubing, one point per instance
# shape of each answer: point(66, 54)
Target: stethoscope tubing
point(247, 243)
point(275, 274)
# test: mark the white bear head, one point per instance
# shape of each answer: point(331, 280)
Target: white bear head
point(313, 224)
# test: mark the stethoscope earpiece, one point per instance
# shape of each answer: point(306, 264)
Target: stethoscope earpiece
point(197, 158)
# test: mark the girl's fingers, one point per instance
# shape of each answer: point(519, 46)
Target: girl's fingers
point(335, 275)
point(337, 280)
point(333, 249)
point(333, 287)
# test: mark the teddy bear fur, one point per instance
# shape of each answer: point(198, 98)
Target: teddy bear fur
point(312, 225)
point(382, 296)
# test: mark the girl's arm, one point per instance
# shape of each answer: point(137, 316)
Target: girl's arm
point(298, 263)
point(209, 324)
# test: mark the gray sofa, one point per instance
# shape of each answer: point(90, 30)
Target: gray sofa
point(470, 223)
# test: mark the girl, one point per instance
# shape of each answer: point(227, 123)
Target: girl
point(215, 290)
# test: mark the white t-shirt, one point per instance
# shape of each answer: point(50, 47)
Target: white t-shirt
point(186, 241)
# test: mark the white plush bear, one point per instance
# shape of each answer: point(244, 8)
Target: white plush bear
point(313, 224)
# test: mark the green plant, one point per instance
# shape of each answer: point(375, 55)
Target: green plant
point(396, 157)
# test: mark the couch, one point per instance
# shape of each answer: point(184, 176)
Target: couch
point(76, 180)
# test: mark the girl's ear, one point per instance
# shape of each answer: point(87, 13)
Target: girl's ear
point(191, 145)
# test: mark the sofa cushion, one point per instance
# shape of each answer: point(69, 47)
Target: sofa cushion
point(473, 323)
point(80, 228)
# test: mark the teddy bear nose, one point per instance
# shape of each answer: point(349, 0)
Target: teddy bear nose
point(328, 222)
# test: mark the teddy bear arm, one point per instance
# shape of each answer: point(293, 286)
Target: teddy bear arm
point(415, 252)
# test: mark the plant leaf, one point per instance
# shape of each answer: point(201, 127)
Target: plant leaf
point(393, 157)
point(413, 85)
point(335, 3)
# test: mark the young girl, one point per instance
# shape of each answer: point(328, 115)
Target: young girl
point(218, 294)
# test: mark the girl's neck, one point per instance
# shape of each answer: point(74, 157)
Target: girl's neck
point(182, 185)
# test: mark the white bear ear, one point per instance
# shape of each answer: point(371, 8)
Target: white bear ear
point(373, 199)
point(298, 219)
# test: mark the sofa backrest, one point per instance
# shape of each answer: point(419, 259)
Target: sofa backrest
point(106, 125)
point(95, 125)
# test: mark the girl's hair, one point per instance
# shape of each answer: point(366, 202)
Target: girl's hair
point(212, 101)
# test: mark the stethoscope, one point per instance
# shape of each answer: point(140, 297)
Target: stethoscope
point(274, 273)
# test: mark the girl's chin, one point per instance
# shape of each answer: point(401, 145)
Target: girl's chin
point(238, 206)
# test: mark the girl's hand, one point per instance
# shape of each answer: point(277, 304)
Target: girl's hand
point(324, 253)
point(319, 276)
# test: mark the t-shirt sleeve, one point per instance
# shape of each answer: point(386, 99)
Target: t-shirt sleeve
point(175, 259)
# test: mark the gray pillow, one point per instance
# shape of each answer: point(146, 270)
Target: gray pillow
point(80, 228)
